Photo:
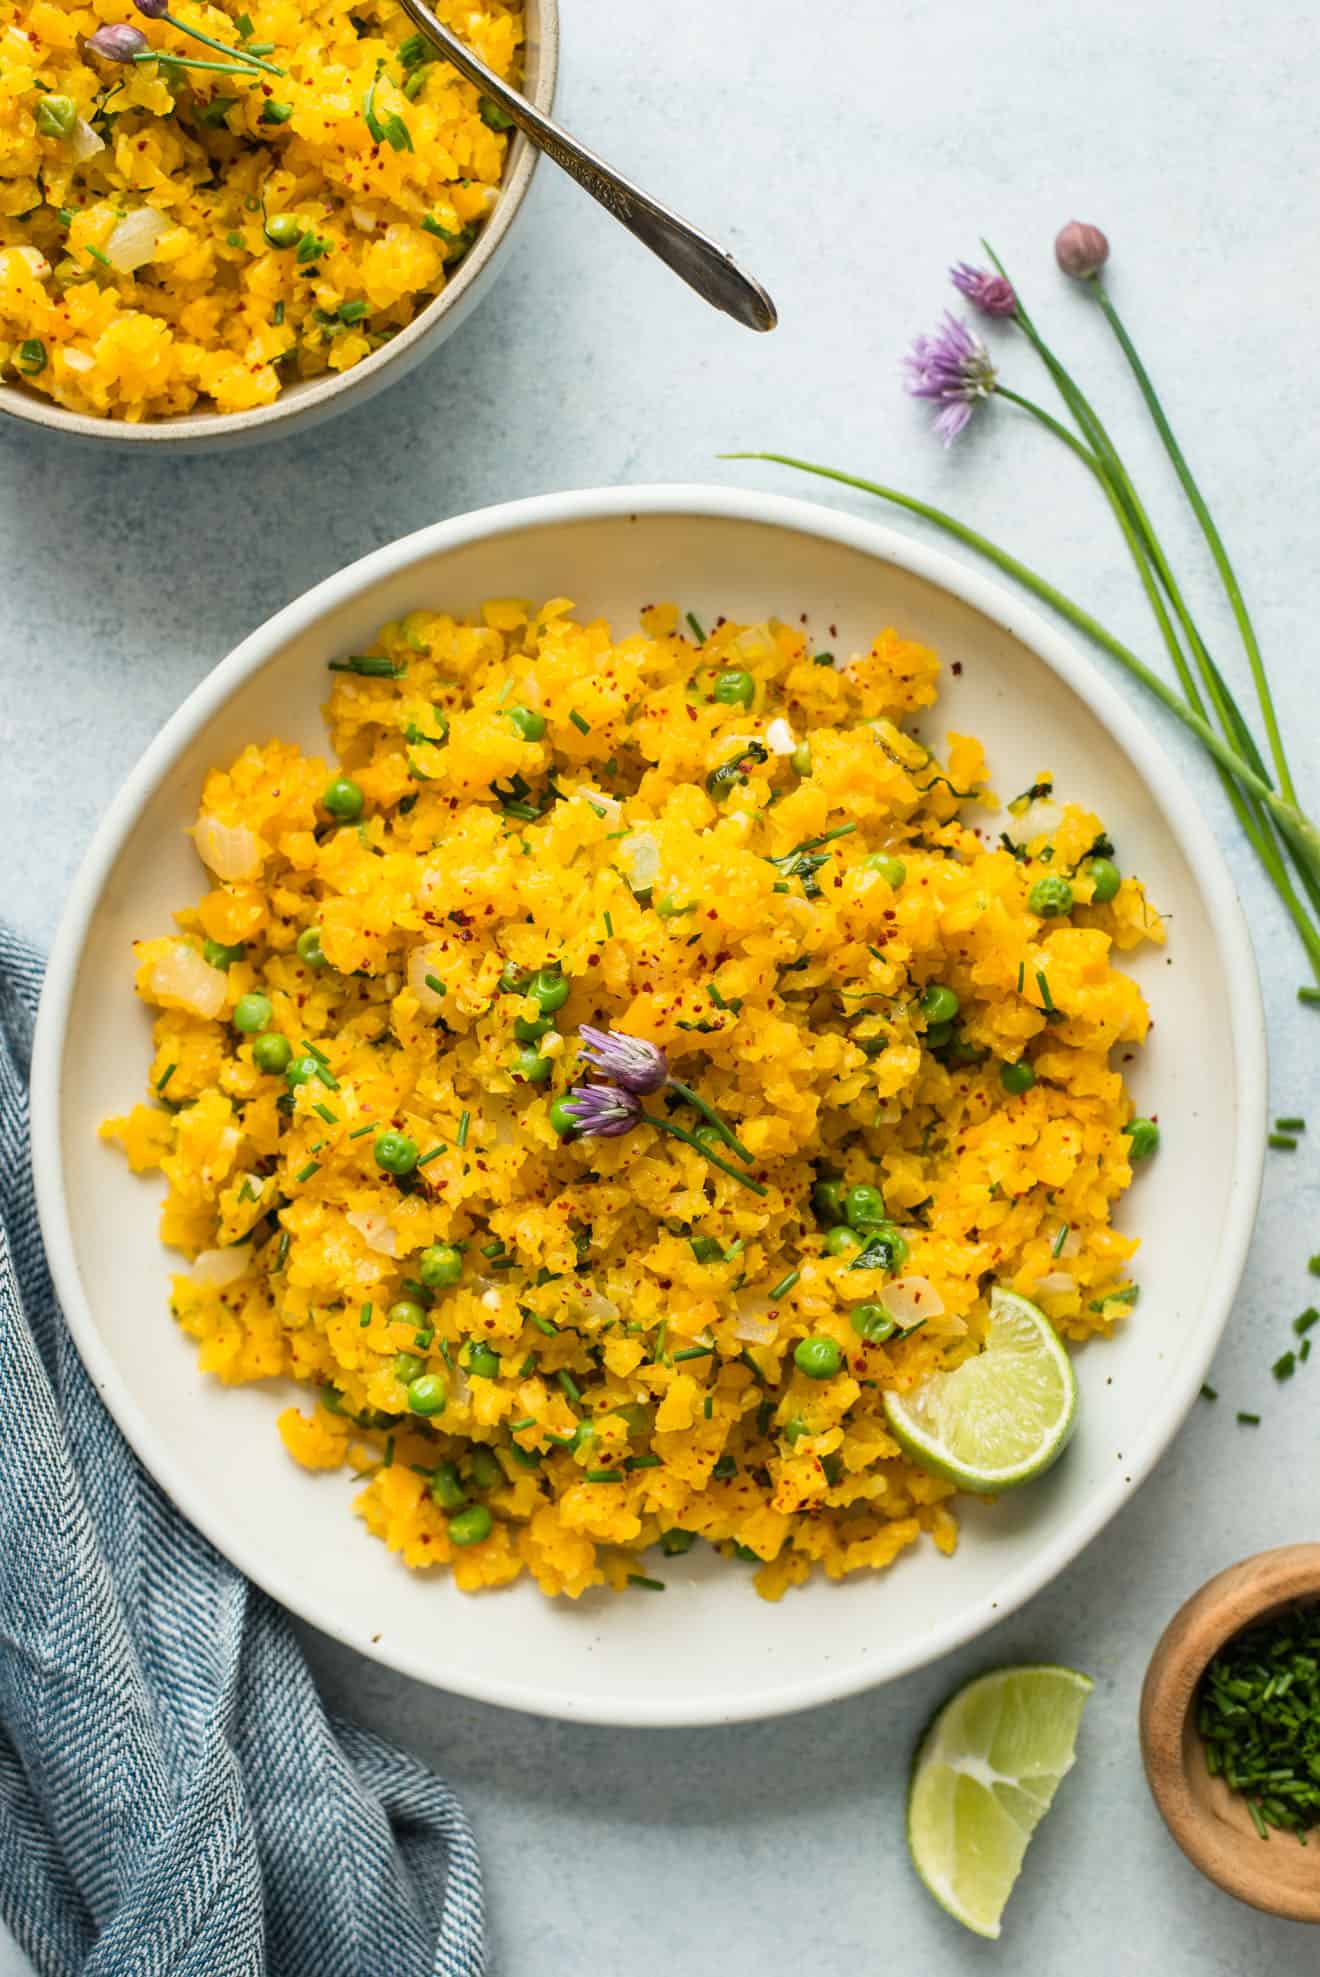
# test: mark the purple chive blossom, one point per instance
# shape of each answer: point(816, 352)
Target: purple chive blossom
point(117, 43)
point(153, 9)
point(953, 369)
point(1080, 250)
point(603, 1111)
point(991, 294)
point(632, 1062)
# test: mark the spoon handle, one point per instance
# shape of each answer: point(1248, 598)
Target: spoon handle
point(696, 259)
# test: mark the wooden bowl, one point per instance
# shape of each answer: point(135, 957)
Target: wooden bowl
point(1210, 1822)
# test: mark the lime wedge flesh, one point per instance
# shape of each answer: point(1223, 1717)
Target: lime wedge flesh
point(1001, 1418)
point(984, 1776)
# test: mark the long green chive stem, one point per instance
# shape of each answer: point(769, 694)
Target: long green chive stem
point(711, 1117)
point(221, 47)
point(1292, 822)
point(194, 62)
point(1255, 825)
point(1214, 541)
point(690, 1139)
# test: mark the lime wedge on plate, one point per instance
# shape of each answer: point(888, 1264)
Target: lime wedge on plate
point(999, 1419)
point(983, 1777)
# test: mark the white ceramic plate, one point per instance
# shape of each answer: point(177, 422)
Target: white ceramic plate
point(708, 1650)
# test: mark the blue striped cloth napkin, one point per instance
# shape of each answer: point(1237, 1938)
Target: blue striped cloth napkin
point(174, 1801)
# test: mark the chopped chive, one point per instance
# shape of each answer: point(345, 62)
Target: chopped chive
point(708, 1406)
point(388, 1463)
point(1059, 1241)
point(546, 1325)
point(436, 986)
point(312, 1167)
point(461, 1136)
point(647, 1585)
point(662, 1357)
point(1304, 1351)
point(1022, 975)
point(282, 1250)
point(694, 1352)
point(1248, 1420)
point(365, 1319)
point(1284, 1366)
point(165, 1076)
point(1308, 1318)
point(642, 1462)
point(1313, 1265)
point(1290, 1125)
point(358, 1131)
point(583, 727)
point(1308, 995)
point(695, 625)
point(434, 1154)
point(528, 1421)
point(1282, 1142)
point(604, 1475)
point(371, 665)
point(1042, 983)
point(1209, 1393)
point(568, 1385)
point(786, 1284)
point(331, 1118)
point(609, 927)
point(97, 255)
point(327, 1078)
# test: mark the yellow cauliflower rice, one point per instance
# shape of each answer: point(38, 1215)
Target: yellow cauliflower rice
point(175, 237)
point(552, 1351)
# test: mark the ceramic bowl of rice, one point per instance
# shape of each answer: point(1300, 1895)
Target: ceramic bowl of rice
point(870, 924)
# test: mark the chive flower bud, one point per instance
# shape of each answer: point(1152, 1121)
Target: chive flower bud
point(603, 1111)
point(1080, 250)
point(154, 10)
point(990, 293)
point(632, 1062)
point(117, 42)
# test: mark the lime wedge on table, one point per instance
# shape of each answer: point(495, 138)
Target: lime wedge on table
point(1001, 1418)
point(984, 1776)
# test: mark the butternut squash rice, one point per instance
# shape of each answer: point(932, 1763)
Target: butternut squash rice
point(174, 236)
point(553, 1351)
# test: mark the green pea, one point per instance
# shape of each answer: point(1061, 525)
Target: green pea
point(427, 1394)
point(217, 955)
point(819, 1358)
point(675, 1541)
point(562, 1116)
point(530, 1029)
point(892, 870)
point(1050, 897)
point(272, 1053)
point(842, 1241)
point(530, 1065)
point(408, 1366)
point(252, 1012)
point(309, 947)
point(343, 799)
point(937, 1035)
point(513, 979)
point(483, 1362)
point(794, 1430)
point(283, 230)
point(446, 1489)
point(863, 1207)
point(1017, 1078)
point(396, 1153)
point(827, 1200)
point(471, 1526)
point(440, 1265)
point(550, 989)
point(801, 759)
point(530, 725)
point(407, 1311)
point(486, 1471)
point(871, 1322)
point(1105, 879)
point(302, 1070)
point(939, 1004)
point(887, 1244)
point(1144, 1135)
point(734, 689)
point(56, 116)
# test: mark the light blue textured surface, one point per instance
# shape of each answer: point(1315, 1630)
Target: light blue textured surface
point(848, 153)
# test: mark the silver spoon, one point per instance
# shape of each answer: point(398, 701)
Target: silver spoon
point(693, 256)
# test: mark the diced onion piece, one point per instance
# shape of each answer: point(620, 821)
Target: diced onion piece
point(32, 258)
point(376, 1230)
point(598, 800)
point(594, 1304)
point(180, 976)
point(231, 850)
point(364, 221)
point(779, 737)
point(753, 1330)
point(639, 856)
point(460, 1387)
point(910, 1299)
point(218, 1267)
point(424, 961)
point(84, 143)
point(78, 360)
point(135, 239)
point(1056, 1283)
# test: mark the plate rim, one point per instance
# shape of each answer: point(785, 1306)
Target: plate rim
point(1174, 800)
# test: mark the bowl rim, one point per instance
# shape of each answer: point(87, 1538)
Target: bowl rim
point(1056, 649)
point(197, 429)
